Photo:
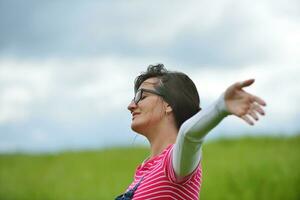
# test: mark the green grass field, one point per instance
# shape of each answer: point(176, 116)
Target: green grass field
point(264, 168)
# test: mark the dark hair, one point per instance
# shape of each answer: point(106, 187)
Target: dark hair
point(177, 89)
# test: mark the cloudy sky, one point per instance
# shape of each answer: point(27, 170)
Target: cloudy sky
point(67, 67)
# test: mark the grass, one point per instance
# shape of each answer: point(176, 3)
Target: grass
point(246, 168)
point(252, 169)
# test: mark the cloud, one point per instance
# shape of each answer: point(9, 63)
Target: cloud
point(276, 84)
point(72, 104)
point(67, 70)
point(21, 85)
point(198, 33)
point(64, 84)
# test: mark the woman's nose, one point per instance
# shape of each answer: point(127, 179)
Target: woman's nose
point(131, 106)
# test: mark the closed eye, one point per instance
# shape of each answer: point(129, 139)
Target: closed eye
point(143, 97)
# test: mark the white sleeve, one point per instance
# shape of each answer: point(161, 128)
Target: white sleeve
point(186, 154)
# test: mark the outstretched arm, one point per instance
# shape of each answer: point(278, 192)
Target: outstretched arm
point(187, 149)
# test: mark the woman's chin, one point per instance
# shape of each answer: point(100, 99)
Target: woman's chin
point(137, 127)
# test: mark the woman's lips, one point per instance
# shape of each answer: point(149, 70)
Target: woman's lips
point(134, 114)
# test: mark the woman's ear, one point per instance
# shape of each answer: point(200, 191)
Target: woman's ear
point(168, 109)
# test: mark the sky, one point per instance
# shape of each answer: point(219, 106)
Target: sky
point(67, 67)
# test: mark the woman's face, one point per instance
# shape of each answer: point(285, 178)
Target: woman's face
point(149, 111)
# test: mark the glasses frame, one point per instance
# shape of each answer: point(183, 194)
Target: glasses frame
point(139, 94)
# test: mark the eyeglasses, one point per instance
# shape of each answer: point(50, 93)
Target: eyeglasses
point(139, 94)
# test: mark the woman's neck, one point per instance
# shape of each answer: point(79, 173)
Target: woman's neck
point(161, 139)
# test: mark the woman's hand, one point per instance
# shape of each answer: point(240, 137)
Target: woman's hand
point(243, 104)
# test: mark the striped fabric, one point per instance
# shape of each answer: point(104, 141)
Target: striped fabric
point(160, 183)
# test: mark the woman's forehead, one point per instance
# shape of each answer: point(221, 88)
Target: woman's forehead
point(149, 83)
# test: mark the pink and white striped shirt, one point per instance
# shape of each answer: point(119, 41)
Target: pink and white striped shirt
point(182, 158)
point(159, 181)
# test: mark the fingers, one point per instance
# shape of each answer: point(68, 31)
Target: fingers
point(253, 98)
point(252, 114)
point(258, 109)
point(258, 100)
point(247, 120)
point(250, 117)
point(245, 83)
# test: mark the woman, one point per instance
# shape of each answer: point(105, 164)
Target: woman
point(165, 110)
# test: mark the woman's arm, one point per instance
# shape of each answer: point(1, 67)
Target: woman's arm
point(187, 149)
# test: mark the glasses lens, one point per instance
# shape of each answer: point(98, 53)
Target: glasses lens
point(137, 96)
